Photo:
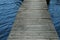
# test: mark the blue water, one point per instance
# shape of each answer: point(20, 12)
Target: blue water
point(54, 9)
point(8, 11)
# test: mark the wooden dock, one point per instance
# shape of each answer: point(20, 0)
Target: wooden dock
point(33, 22)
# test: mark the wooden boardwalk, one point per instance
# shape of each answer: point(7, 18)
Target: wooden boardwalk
point(33, 22)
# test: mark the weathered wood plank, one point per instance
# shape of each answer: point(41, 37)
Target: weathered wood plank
point(33, 22)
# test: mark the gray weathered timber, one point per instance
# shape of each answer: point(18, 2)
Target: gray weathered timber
point(33, 22)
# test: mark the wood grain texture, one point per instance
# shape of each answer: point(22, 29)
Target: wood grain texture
point(33, 22)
